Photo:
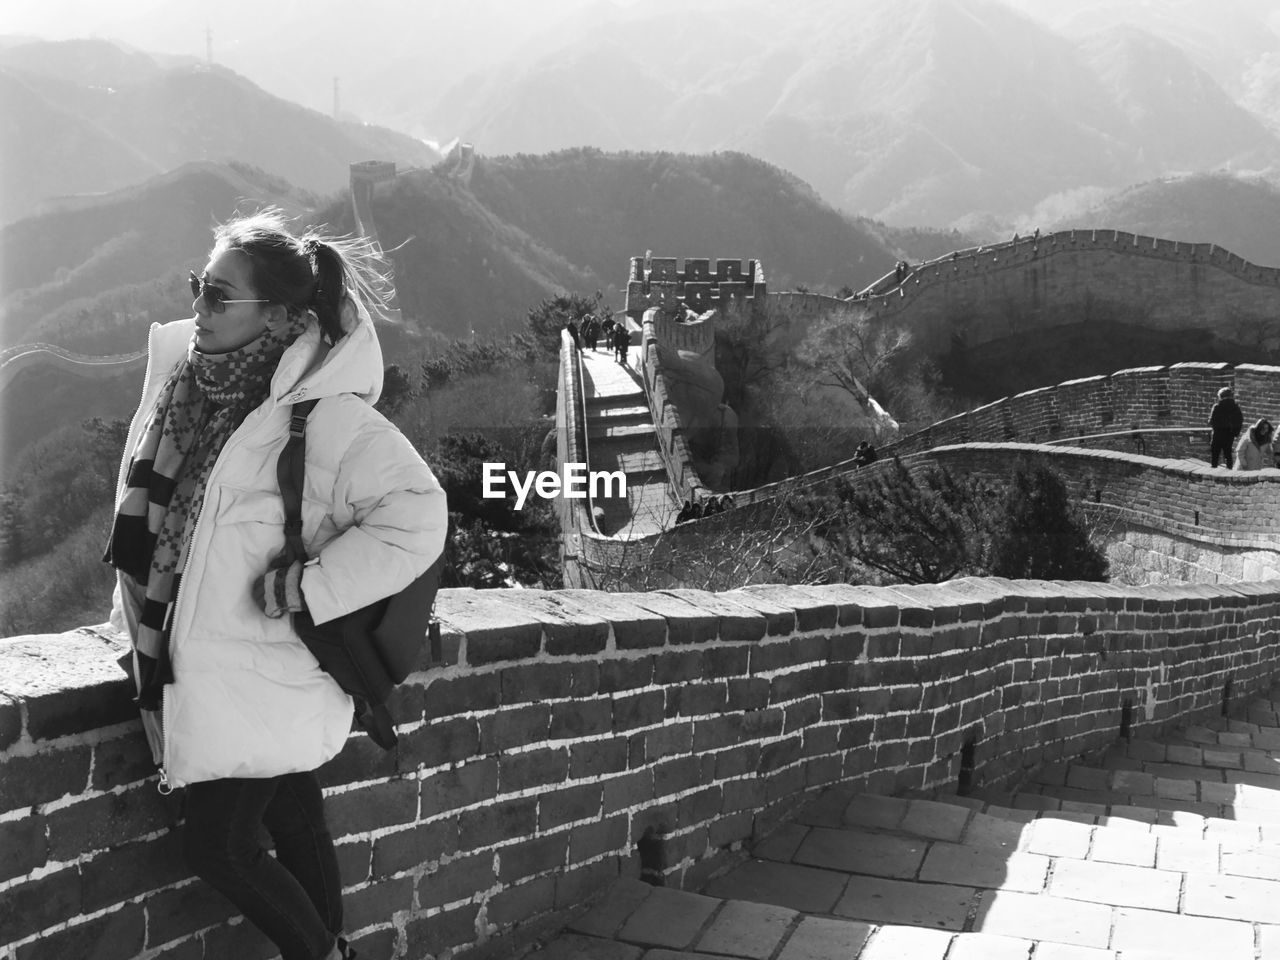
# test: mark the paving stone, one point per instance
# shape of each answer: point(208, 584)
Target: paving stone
point(1066, 951)
point(906, 943)
point(1035, 801)
point(1264, 866)
point(1247, 795)
point(1257, 775)
point(1147, 750)
point(1180, 818)
point(784, 884)
point(827, 810)
point(1088, 778)
point(1042, 917)
point(781, 845)
point(1058, 838)
point(973, 803)
point(668, 918)
point(1187, 855)
point(1269, 941)
point(1224, 831)
point(1115, 884)
point(989, 946)
point(1199, 734)
point(1218, 793)
point(1133, 782)
point(1172, 935)
point(1179, 771)
point(883, 813)
point(821, 938)
point(1237, 738)
point(899, 902)
point(984, 867)
point(1226, 759)
point(939, 821)
point(607, 916)
point(1232, 898)
point(1128, 816)
point(1088, 815)
point(990, 831)
point(1184, 753)
point(1136, 847)
point(744, 929)
point(1089, 812)
point(1171, 789)
point(574, 947)
point(855, 851)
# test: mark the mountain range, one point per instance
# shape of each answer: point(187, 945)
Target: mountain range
point(87, 117)
point(969, 113)
point(936, 112)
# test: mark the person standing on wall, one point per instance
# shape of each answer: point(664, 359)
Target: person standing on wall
point(235, 707)
point(1254, 452)
point(1226, 420)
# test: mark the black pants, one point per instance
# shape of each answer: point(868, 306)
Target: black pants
point(295, 898)
point(1221, 444)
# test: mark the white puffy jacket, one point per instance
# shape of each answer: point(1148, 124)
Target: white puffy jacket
point(248, 698)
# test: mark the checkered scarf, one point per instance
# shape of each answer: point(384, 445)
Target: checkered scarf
point(204, 399)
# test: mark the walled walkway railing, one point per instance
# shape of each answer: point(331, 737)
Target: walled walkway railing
point(570, 730)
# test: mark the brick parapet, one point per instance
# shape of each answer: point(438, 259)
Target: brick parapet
point(570, 724)
point(1071, 278)
point(885, 293)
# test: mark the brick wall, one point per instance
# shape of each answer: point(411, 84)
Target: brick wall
point(570, 725)
point(1074, 276)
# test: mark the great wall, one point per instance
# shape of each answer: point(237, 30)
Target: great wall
point(980, 768)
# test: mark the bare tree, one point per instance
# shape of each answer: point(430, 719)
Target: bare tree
point(851, 350)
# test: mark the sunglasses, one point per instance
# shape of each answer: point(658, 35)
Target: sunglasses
point(214, 298)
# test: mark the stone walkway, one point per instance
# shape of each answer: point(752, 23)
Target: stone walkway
point(1154, 851)
point(620, 436)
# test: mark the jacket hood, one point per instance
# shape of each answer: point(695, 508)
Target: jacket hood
point(311, 369)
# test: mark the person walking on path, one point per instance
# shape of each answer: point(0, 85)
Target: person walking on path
point(235, 708)
point(1254, 452)
point(1226, 420)
point(621, 341)
point(574, 335)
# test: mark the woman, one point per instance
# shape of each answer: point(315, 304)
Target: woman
point(1254, 451)
point(235, 707)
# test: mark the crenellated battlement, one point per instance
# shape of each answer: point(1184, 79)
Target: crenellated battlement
point(699, 286)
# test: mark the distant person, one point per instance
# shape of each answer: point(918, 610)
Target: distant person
point(591, 331)
point(1254, 450)
point(573, 334)
point(1227, 420)
point(686, 513)
point(621, 341)
point(864, 455)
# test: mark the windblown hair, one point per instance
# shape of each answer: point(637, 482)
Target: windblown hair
point(311, 271)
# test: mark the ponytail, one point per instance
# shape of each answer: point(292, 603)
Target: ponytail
point(329, 275)
point(331, 286)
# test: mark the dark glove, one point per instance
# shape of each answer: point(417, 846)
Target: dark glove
point(279, 591)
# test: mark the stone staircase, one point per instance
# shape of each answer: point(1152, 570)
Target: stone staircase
point(621, 436)
point(1154, 850)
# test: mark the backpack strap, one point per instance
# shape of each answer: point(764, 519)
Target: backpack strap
point(291, 475)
